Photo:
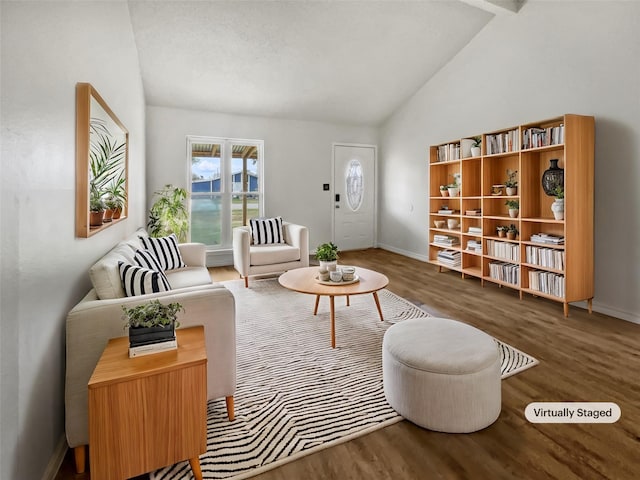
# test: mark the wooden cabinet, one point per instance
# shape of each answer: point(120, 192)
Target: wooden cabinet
point(561, 272)
point(148, 412)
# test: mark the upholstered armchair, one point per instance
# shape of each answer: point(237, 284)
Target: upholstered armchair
point(252, 258)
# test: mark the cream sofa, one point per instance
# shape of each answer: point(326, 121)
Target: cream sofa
point(250, 259)
point(98, 317)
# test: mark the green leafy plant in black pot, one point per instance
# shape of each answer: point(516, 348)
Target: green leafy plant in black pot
point(151, 322)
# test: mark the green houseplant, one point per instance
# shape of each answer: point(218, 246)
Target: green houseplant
point(512, 232)
point(96, 207)
point(151, 322)
point(501, 230)
point(512, 182)
point(557, 207)
point(169, 214)
point(514, 207)
point(327, 255)
point(475, 148)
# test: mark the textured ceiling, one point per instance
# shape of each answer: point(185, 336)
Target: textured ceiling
point(338, 61)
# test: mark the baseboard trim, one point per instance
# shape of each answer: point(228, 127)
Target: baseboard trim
point(614, 312)
point(597, 307)
point(56, 459)
point(406, 253)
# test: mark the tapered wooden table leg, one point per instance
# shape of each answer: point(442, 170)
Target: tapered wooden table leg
point(315, 310)
point(195, 467)
point(348, 301)
point(332, 309)
point(375, 297)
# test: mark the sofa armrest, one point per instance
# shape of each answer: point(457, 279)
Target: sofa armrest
point(298, 236)
point(193, 254)
point(241, 244)
point(92, 322)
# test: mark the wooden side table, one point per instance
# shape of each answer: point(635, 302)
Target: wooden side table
point(148, 412)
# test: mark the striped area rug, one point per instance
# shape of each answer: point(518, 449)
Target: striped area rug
point(296, 394)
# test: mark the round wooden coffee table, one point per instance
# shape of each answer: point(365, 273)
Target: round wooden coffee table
point(303, 280)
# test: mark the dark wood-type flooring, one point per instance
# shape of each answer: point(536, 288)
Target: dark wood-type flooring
point(585, 357)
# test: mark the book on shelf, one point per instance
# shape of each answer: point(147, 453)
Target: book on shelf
point(475, 212)
point(449, 152)
point(535, 137)
point(547, 238)
point(447, 211)
point(449, 257)
point(474, 246)
point(545, 257)
point(505, 272)
point(475, 230)
point(502, 142)
point(547, 282)
point(150, 348)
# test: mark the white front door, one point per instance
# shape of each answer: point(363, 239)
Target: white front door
point(354, 194)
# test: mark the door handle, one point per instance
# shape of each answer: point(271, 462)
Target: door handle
point(337, 197)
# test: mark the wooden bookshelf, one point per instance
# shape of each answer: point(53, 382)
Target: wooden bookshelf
point(528, 149)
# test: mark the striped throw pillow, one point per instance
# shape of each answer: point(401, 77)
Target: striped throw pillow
point(138, 280)
point(146, 259)
point(165, 250)
point(265, 231)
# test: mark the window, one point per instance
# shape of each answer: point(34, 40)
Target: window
point(226, 187)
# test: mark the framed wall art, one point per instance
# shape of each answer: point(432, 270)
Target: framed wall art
point(102, 150)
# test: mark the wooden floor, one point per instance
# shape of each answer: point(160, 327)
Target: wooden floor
point(585, 357)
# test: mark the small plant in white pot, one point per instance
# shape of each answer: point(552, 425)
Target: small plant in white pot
point(475, 148)
point(514, 207)
point(511, 184)
point(557, 207)
point(327, 255)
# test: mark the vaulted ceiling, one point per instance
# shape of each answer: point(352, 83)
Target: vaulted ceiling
point(339, 61)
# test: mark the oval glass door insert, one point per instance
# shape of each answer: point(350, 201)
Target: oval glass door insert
point(354, 185)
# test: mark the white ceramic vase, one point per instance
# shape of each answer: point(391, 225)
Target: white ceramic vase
point(557, 208)
point(475, 151)
point(453, 192)
point(330, 266)
point(513, 212)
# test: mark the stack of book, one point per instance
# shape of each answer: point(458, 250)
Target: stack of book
point(505, 272)
point(445, 240)
point(449, 152)
point(474, 246)
point(541, 137)
point(450, 258)
point(474, 212)
point(547, 282)
point(446, 211)
point(505, 250)
point(502, 142)
point(475, 231)
point(547, 238)
point(545, 257)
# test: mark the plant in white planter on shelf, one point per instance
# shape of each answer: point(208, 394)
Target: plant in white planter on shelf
point(511, 183)
point(327, 255)
point(514, 207)
point(557, 207)
point(475, 148)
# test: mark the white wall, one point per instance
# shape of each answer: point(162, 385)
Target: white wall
point(46, 48)
point(550, 58)
point(297, 158)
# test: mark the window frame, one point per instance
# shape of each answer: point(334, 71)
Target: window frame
point(226, 184)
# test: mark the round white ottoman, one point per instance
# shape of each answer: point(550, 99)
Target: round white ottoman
point(442, 374)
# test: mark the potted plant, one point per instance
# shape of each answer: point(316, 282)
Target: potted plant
point(512, 232)
point(511, 183)
point(475, 148)
point(96, 208)
point(501, 230)
point(151, 322)
point(327, 255)
point(443, 190)
point(514, 207)
point(117, 195)
point(168, 214)
point(557, 207)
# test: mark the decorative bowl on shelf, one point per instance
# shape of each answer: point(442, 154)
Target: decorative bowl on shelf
point(439, 223)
